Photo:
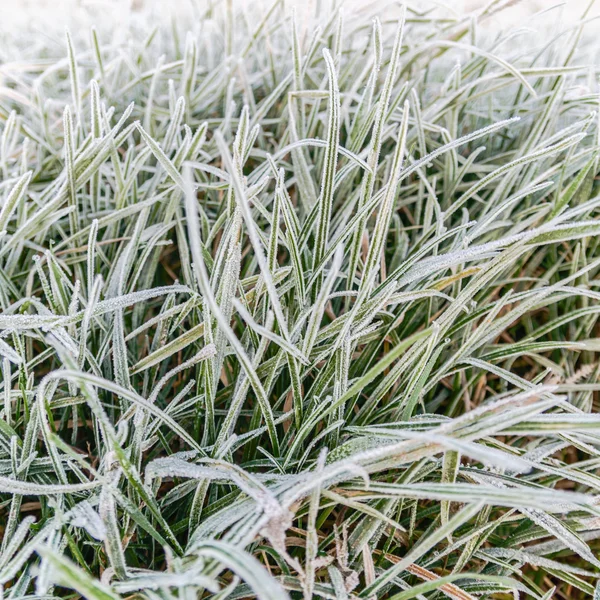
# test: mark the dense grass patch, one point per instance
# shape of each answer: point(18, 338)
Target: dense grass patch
point(300, 308)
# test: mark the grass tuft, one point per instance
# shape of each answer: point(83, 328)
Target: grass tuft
point(300, 306)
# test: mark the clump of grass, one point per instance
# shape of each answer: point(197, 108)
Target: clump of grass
point(314, 316)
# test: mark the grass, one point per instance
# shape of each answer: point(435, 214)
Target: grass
point(299, 311)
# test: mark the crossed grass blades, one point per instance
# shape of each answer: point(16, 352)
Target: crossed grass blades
point(313, 316)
